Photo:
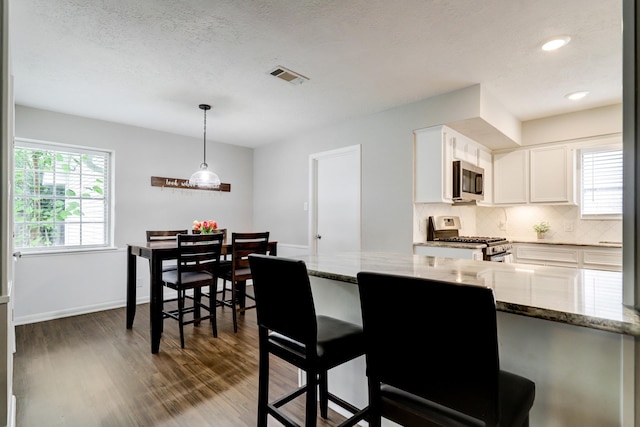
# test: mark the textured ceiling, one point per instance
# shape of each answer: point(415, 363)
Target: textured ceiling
point(149, 63)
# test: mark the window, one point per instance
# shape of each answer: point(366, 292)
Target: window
point(601, 182)
point(62, 197)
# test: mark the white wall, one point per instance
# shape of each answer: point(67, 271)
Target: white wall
point(582, 124)
point(49, 286)
point(281, 171)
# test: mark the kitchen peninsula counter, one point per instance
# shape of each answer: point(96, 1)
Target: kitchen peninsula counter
point(564, 328)
point(589, 298)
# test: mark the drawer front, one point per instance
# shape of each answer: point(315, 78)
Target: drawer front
point(547, 255)
point(609, 258)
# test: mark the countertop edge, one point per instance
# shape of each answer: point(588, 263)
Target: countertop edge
point(591, 322)
point(574, 319)
point(460, 245)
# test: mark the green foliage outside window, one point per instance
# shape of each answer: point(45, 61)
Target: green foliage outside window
point(59, 198)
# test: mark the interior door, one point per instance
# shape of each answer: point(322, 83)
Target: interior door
point(335, 200)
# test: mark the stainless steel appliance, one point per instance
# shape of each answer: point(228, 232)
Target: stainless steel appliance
point(468, 182)
point(447, 228)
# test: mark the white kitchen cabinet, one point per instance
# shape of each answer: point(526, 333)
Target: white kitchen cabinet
point(435, 149)
point(602, 258)
point(534, 176)
point(574, 256)
point(543, 254)
point(511, 177)
point(485, 161)
point(432, 163)
point(464, 148)
point(551, 175)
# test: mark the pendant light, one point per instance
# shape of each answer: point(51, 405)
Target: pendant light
point(205, 178)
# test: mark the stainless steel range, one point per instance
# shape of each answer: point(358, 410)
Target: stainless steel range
point(447, 228)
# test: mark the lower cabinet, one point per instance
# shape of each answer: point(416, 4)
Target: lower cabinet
point(591, 257)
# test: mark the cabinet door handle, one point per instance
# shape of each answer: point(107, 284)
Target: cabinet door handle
point(317, 236)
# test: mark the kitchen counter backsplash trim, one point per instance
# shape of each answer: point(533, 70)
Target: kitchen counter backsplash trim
point(519, 288)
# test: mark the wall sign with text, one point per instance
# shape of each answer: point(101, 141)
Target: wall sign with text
point(159, 181)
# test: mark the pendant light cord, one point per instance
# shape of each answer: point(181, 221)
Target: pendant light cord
point(204, 160)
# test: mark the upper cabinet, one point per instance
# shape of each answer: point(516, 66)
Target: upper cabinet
point(552, 175)
point(432, 162)
point(435, 149)
point(511, 177)
point(543, 175)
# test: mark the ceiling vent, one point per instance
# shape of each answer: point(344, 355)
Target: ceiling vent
point(288, 75)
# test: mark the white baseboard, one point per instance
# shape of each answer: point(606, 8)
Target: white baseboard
point(41, 317)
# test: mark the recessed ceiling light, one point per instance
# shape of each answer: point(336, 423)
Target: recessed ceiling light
point(574, 96)
point(556, 43)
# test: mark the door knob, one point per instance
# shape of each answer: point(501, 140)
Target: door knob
point(317, 236)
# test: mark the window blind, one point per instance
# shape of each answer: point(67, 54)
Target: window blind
point(62, 196)
point(601, 182)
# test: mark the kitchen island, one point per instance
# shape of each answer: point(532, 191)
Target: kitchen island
point(566, 329)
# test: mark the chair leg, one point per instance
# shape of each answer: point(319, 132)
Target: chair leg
point(197, 304)
point(224, 290)
point(234, 296)
point(324, 394)
point(181, 296)
point(242, 300)
point(263, 379)
point(212, 313)
point(311, 403)
point(375, 417)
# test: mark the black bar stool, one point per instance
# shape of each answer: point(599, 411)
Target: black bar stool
point(289, 328)
point(437, 362)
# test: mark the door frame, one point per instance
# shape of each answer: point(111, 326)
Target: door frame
point(313, 191)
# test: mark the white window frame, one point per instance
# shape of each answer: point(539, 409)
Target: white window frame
point(108, 197)
point(590, 149)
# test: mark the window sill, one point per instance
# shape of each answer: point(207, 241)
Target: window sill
point(79, 251)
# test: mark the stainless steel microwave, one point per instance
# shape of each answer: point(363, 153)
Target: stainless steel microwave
point(468, 182)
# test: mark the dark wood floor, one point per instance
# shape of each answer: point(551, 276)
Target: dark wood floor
point(90, 370)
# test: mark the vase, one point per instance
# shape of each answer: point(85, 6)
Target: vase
point(540, 235)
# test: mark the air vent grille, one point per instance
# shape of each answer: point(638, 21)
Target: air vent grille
point(288, 75)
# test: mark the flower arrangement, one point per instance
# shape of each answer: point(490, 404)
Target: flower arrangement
point(204, 227)
point(541, 227)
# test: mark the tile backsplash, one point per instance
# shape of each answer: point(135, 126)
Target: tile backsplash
point(566, 226)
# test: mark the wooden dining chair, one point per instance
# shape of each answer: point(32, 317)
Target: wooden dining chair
point(437, 364)
point(238, 271)
point(164, 235)
point(198, 267)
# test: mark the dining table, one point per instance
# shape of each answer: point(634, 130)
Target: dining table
point(157, 252)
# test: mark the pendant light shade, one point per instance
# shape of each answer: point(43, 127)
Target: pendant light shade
point(204, 177)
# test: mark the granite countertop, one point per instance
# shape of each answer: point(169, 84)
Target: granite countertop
point(602, 244)
point(589, 298)
point(438, 244)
